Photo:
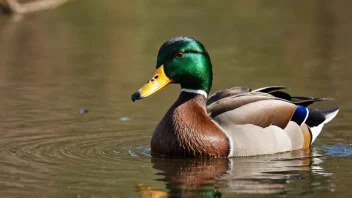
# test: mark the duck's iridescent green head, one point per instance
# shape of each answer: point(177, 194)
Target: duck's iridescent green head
point(181, 60)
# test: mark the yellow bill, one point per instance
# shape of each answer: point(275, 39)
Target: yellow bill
point(157, 82)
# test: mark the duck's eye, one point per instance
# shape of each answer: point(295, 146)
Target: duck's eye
point(178, 54)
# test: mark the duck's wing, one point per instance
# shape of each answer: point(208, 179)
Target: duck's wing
point(238, 91)
point(226, 93)
point(252, 108)
point(272, 90)
point(259, 123)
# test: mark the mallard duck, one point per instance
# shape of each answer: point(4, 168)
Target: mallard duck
point(232, 122)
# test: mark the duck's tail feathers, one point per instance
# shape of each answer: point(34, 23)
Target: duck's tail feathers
point(306, 101)
point(318, 118)
point(298, 100)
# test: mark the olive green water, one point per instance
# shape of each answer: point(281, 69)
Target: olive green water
point(93, 54)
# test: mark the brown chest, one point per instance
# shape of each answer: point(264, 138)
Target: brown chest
point(187, 131)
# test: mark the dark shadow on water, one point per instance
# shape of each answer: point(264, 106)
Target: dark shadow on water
point(273, 174)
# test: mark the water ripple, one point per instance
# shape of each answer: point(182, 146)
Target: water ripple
point(29, 161)
point(338, 149)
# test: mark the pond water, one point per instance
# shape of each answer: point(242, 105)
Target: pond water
point(69, 129)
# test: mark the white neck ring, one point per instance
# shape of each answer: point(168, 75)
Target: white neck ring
point(199, 91)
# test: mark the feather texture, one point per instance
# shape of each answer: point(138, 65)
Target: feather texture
point(265, 120)
point(238, 122)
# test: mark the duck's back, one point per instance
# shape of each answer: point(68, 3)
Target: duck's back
point(258, 123)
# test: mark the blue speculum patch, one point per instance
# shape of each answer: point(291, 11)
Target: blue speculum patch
point(299, 115)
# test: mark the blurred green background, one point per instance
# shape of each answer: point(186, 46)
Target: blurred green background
point(94, 54)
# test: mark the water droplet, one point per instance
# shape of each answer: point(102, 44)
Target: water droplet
point(125, 118)
point(132, 153)
point(83, 111)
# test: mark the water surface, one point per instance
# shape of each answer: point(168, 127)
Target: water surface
point(69, 129)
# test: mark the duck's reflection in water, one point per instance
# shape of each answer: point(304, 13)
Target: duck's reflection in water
point(271, 174)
